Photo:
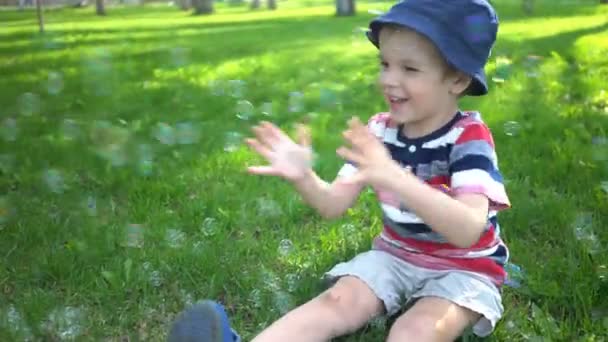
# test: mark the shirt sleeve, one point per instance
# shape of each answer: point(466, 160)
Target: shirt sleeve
point(473, 166)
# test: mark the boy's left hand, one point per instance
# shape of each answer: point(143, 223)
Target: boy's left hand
point(374, 163)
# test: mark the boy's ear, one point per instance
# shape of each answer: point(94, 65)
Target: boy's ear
point(459, 83)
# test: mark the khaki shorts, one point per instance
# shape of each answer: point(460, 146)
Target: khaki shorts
point(397, 283)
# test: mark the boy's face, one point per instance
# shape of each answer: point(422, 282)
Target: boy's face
point(414, 78)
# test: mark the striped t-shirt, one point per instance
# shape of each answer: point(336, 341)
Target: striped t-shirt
point(457, 158)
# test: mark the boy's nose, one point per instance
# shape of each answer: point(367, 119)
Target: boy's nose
point(388, 79)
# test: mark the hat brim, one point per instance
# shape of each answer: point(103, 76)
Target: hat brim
point(425, 27)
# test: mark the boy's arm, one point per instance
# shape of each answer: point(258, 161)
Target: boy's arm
point(460, 219)
point(331, 200)
point(476, 188)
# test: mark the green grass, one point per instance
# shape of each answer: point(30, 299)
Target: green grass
point(123, 74)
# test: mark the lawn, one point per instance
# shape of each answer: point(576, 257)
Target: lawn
point(123, 192)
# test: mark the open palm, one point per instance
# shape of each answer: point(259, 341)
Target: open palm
point(286, 158)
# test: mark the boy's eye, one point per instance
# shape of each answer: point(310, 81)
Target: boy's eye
point(407, 68)
point(384, 64)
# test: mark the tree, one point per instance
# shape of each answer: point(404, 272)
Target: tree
point(255, 4)
point(202, 6)
point(271, 4)
point(603, 1)
point(100, 7)
point(40, 18)
point(184, 4)
point(345, 7)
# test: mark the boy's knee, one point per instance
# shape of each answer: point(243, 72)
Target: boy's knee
point(421, 328)
point(350, 303)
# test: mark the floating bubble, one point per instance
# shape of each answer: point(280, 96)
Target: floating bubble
point(282, 301)
point(66, 323)
point(13, 321)
point(54, 181)
point(237, 88)
point(358, 36)
point(54, 83)
point(244, 109)
point(604, 186)
point(327, 98)
point(156, 279)
point(175, 238)
point(186, 133)
point(583, 231)
point(187, 297)
point(266, 108)
point(209, 227)
point(109, 141)
point(70, 129)
point(165, 134)
point(512, 128)
point(255, 297)
point(268, 207)
point(145, 159)
point(379, 322)
point(599, 148)
point(285, 247)
point(98, 72)
point(217, 87)
point(29, 104)
point(503, 69)
point(10, 129)
point(292, 280)
point(515, 275)
point(296, 102)
point(179, 56)
point(134, 235)
point(232, 141)
point(90, 205)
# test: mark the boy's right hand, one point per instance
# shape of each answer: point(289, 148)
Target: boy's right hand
point(288, 159)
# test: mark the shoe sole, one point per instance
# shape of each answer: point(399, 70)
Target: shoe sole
point(200, 323)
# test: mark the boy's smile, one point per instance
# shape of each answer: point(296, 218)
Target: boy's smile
point(416, 82)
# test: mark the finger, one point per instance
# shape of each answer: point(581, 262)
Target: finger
point(303, 135)
point(275, 132)
point(265, 135)
point(354, 139)
point(260, 148)
point(357, 178)
point(350, 155)
point(263, 170)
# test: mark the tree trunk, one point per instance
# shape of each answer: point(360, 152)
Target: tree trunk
point(202, 6)
point(345, 7)
point(184, 5)
point(40, 18)
point(100, 8)
point(603, 1)
point(255, 4)
point(271, 4)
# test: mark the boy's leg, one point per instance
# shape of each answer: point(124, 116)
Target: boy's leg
point(446, 305)
point(344, 308)
point(432, 319)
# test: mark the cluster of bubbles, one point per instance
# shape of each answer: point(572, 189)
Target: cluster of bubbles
point(63, 323)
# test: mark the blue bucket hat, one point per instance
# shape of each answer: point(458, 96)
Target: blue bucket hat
point(464, 31)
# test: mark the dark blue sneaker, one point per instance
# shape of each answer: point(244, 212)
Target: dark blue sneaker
point(206, 321)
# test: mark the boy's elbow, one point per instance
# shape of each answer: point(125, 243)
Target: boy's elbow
point(470, 239)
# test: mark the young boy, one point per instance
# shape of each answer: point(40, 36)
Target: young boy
point(434, 170)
